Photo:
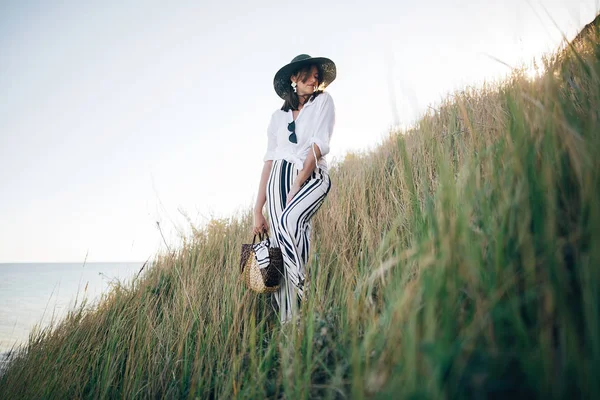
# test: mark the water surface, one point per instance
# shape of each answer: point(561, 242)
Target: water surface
point(37, 293)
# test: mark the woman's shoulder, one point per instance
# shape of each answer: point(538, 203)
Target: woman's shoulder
point(323, 97)
point(325, 101)
point(278, 113)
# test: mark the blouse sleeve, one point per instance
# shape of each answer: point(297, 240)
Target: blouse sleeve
point(324, 125)
point(271, 140)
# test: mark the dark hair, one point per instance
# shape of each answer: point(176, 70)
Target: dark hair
point(291, 101)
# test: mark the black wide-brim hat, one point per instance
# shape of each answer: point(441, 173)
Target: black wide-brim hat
point(282, 82)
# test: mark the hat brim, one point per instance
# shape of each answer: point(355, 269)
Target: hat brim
point(281, 82)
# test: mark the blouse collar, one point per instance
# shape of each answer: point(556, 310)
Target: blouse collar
point(310, 103)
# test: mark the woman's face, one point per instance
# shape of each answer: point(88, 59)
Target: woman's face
point(307, 85)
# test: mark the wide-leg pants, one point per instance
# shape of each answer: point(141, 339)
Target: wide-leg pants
point(291, 227)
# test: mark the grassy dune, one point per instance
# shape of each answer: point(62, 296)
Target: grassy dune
point(460, 259)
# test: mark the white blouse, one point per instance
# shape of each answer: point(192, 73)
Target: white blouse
point(314, 124)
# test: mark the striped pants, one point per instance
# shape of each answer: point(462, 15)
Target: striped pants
point(291, 228)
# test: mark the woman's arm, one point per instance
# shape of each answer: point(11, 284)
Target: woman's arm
point(319, 143)
point(262, 188)
point(309, 166)
point(260, 224)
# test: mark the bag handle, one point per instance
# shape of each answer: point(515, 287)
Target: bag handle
point(260, 237)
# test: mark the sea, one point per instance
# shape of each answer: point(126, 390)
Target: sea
point(38, 294)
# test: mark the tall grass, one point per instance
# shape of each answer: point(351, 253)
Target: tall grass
point(459, 259)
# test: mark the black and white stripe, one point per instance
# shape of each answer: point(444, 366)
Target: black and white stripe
point(291, 227)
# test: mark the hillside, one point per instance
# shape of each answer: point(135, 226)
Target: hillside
point(588, 33)
point(456, 260)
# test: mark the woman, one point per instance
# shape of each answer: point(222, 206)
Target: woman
point(294, 180)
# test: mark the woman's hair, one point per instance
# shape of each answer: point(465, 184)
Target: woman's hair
point(291, 100)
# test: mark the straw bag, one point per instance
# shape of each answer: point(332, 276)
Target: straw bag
point(261, 265)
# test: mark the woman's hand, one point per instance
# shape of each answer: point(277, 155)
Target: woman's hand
point(260, 223)
point(292, 193)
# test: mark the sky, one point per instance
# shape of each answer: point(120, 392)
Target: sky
point(116, 116)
